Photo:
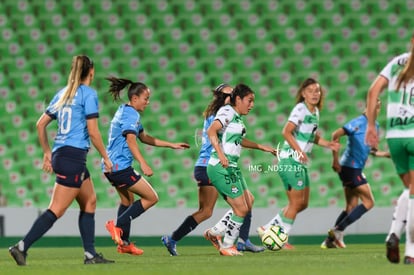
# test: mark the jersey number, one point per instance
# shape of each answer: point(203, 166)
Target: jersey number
point(408, 99)
point(65, 118)
point(230, 178)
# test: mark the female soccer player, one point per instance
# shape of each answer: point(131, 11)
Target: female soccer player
point(349, 169)
point(122, 149)
point(75, 108)
point(397, 79)
point(227, 136)
point(207, 193)
point(300, 133)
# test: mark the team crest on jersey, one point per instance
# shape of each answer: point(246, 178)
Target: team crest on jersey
point(234, 189)
point(300, 183)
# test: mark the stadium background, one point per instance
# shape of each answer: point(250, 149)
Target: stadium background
point(182, 49)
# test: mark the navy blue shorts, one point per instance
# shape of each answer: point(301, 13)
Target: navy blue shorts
point(69, 165)
point(200, 175)
point(352, 177)
point(123, 178)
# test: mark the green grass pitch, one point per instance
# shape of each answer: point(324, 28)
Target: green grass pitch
point(363, 259)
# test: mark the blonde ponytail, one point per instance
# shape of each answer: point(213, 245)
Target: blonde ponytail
point(81, 65)
point(407, 72)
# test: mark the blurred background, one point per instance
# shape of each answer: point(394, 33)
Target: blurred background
point(182, 49)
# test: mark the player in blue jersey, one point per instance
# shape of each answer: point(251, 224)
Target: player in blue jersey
point(349, 169)
point(207, 193)
point(75, 108)
point(122, 149)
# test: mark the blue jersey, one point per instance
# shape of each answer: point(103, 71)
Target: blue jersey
point(206, 146)
point(71, 119)
point(126, 121)
point(356, 151)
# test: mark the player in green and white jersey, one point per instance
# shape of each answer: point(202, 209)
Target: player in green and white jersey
point(227, 136)
point(397, 78)
point(300, 133)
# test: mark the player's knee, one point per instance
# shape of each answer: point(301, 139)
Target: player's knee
point(153, 199)
point(369, 204)
point(205, 213)
point(90, 204)
point(302, 206)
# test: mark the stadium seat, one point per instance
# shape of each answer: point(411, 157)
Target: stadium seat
point(181, 50)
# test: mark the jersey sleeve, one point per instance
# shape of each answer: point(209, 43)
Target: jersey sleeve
point(91, 104)
point(131, 122)
point(50, 110)
point(392, 68)
point(297, 114)
point(224, 115)
point(350, 127)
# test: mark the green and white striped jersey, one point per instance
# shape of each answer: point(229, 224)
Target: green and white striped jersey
point(400, 106)
point(306, 126)
point(230, 136)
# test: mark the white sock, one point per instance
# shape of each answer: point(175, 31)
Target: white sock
point(399, 217)
point(20, 245)
point(276, 220)
point(221, 226)
point(232, 232)
point(409, 245)
point(88, 255)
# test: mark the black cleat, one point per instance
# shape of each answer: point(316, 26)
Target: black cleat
point(18, 256)
point(393, 251)
point(98, 259)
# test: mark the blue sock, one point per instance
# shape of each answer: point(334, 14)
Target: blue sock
point(188, 225)
point(86, 223)
point(354, 215)
point(133, 211)
point(341, 217)
point(244, 229)
point(42, 224)
point(125, 233)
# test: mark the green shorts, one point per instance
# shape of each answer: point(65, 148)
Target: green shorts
point(402, 153)
point(294, 174)
point(229, 182)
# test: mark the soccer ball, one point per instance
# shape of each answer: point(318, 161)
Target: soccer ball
point(274, 238)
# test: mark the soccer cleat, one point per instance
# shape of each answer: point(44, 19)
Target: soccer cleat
point(18, 255)
point(130, 249)
point(231, 251)
point(215, 240)
point(249, 246)
point(115, 232)
point(260, 231)
point(328, 243)
point(288, 246)
point(170, 244)
point(393, 250)
point(98, 259)
point(408, 260)
point(337, 237)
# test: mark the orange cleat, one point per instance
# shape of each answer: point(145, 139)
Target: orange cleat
point(215, 240)
point(231, 251)
point(115, 232)
point(288, 246)
point(130, 249)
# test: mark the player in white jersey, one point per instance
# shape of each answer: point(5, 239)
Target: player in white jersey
point(207, 193)
point(397, 78)
point(300, 133)
point(227, 136)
